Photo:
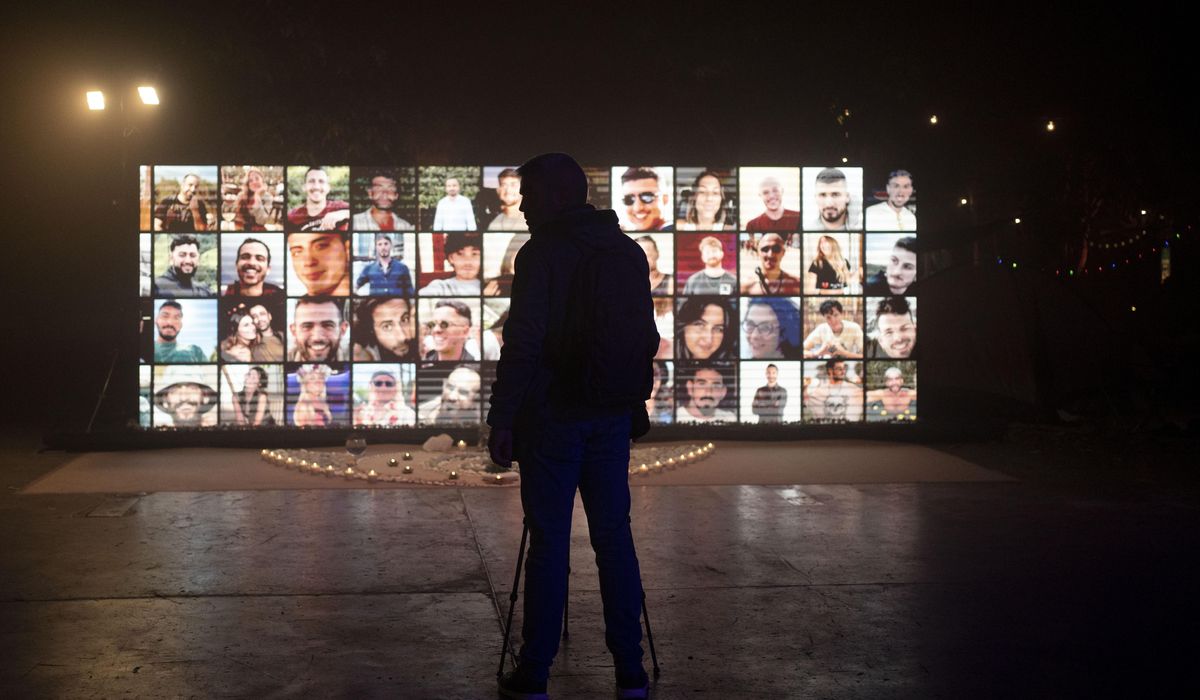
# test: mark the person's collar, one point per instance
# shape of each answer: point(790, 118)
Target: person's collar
point(565, 217)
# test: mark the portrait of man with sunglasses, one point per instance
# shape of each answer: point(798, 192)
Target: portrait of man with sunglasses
point(447, 330)
point(644, 197)
point(764, 274)
point(384, 404)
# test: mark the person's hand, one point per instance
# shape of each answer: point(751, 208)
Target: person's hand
point(500, 446)
point(333, 219)
point(639, 422)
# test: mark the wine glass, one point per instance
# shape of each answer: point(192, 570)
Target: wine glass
point(356, 445)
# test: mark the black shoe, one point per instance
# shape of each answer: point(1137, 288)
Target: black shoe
point(517, 685)
point(633, 687)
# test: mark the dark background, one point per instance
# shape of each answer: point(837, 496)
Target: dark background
point(420, 83)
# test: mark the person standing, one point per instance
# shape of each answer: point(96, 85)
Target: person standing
point(547, 415)
point(770, 400)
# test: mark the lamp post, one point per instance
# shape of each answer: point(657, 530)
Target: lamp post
point(97, 101)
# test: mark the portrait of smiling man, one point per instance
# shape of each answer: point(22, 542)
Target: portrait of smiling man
point(318, 212)
point(318, 330)
point(252, 265)
point(643, 199)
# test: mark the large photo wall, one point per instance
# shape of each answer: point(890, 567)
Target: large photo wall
point(337, 296)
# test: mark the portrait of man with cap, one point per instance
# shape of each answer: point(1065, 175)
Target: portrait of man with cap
point(462, 251)
point(185, 397)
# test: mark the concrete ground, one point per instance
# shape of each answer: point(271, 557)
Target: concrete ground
point(1074, 581)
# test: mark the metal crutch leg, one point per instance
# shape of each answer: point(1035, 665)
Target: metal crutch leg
point(646, 614)
point(512, 599)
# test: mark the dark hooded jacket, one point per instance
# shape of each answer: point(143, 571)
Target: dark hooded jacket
point(525, 387)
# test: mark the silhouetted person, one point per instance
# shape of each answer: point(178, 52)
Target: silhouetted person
point(545, 411)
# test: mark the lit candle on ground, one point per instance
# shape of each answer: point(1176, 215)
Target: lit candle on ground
point(462, 444)
point(453, 474)
point(290, 462)
point(643, 469)
point(711, 446)
point(349, 473)
point(392, 462)
point(329, 470)
point(372, 476)
point(263, 453)
point(670, 461)
point(407, 456)
point(408, 469)
point(316, 468)
point(657, 463)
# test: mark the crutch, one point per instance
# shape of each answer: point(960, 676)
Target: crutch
point(512, 606)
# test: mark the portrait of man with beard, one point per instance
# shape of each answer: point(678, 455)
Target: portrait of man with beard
point(833, 199)
point(183, 262)
point(251, 263)
point(458, 402)
point(318, 330)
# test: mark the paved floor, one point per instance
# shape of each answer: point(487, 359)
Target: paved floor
point(1063, 586)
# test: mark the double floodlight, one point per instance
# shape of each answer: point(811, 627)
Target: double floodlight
point(147, 93)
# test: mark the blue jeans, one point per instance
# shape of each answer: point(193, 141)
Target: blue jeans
point(556, 459)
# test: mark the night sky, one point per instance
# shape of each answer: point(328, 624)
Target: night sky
point(712, 83)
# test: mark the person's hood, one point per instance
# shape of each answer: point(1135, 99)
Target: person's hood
point(595, 228)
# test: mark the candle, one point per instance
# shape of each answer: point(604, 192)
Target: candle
point(316, 468)
point(407, 456)
point(711, 446)
point(263, 453)
point(392, 462)
point(329, 470)
point(372, 476)
point(349, 473)
point(290, 462)
point(670, 461)
point(453, 474)
point(462, 444)
point(408, 469)
point(643, 469)
point(657, 464)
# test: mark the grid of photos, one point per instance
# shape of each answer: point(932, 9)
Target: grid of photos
point(316, 296)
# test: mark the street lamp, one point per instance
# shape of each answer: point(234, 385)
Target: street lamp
point(96, 102)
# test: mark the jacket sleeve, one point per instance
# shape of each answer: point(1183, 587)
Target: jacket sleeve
point(524, 337)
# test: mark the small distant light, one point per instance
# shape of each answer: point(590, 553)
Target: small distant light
point(95, 100)
point(1133, 308)
point(846, 112)
point(1143, 211)
point(933, 119)
point(1071, 273)
point(1017, 220)
point(148, 94)
point(1014, 266)
point(845, 159)
point(1050, 125)
point(963, 201)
